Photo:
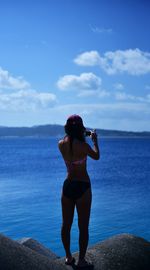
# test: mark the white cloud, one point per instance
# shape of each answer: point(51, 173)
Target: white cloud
point(97, 93)
point(7, 81)
point(85, 81)
point(91, 58)
point(132, 61)
point(86, 84)
point(104, 107)
point(118, 86)
point(96, 114)
point(100, 30)
point(24, 100)
point(119, 115)
point(124, 96)
point(87, 93)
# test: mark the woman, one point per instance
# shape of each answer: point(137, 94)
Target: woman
point(76, 188)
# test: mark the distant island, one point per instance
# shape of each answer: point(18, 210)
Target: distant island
point(53, 130)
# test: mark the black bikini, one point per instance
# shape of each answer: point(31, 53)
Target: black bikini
point(74, 189)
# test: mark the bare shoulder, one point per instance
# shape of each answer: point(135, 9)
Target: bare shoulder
point(61, 143)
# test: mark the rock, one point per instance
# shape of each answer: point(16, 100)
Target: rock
point(14, 256)
point(121, 252)
point(38, 247)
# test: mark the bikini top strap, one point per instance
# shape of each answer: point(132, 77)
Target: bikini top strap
point(76, 162)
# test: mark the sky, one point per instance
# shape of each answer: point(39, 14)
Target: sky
point(86, 57)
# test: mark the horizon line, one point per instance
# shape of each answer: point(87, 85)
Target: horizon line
point(41, 125)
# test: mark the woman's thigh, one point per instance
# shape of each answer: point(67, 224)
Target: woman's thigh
point(68, 207)
point(83, 206)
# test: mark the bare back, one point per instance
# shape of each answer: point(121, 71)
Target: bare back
point(75, 160)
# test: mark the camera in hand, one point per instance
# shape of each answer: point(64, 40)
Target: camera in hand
point(87, 133)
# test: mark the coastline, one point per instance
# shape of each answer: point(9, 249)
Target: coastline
point(58, 131)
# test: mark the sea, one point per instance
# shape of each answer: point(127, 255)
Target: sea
point(31, 176)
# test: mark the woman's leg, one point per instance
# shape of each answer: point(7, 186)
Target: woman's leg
point(68, 206)
point(83, 206)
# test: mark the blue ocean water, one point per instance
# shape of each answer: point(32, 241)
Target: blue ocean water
point(31, 176)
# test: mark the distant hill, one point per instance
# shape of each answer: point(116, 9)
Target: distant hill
point(58, 131)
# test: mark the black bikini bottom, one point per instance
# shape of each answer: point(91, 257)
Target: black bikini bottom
point(74, 189)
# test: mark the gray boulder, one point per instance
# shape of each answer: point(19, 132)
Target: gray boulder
point(14, 256)
point(121, 252)
point(38, 247)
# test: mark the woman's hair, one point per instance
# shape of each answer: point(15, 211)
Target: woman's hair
point(75, 129)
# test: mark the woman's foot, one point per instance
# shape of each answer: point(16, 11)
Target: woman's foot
point(83, 263)
point(70, 261)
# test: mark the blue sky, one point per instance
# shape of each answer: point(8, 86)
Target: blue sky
point(88, 57)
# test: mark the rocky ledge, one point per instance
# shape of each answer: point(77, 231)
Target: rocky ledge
point(121, 252)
